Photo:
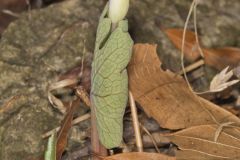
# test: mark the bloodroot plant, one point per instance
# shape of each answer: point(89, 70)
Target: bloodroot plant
point(109, 79)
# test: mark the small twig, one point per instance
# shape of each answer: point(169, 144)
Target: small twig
point(159, 138)
point(29, 9)
point(193, 66)
point(74, 122)
point(11, 13)
point(10, 103)
point(151, 137)
point(81, 118)
point(183, 44)
point(135, 123)
point(82, 93)
point(195, 28)
point(82, 61)
point(57, 103)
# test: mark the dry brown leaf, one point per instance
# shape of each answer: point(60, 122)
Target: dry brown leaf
point(222, 57)
point(166, 96)
point(219, 58)
point(140, 156)
point(65, 128)
point(190, 48)
point(195, 155)
point(198, 142)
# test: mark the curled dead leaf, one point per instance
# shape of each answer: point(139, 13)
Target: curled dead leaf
point(218, 58)
point(221, 81)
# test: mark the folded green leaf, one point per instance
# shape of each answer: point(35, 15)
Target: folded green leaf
point(109, 91)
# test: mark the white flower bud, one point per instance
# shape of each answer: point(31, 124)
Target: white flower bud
point(118, 10)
